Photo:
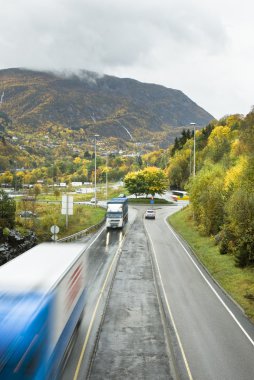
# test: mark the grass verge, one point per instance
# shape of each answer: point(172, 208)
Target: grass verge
point(49, 214)
point(239, 283)
point(47, 208)
point(147, 201)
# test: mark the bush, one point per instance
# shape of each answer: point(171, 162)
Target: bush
point(208, 199)
point(227, 239)
point(239, 231)
point(7, 210)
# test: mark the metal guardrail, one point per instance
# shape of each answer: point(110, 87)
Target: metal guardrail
point(82, 233)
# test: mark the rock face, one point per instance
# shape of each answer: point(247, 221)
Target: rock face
point(107, 105)
point(15, 245)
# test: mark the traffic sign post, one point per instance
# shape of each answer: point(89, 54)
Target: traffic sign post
point(67, 206)
point(54, 230)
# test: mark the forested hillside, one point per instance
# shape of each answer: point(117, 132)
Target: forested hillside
point(221, 192)
point(131, 111)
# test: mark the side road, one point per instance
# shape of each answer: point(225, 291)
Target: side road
point(131, 343)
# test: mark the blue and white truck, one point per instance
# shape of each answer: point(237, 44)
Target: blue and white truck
point(117, 213)
point(42, 297)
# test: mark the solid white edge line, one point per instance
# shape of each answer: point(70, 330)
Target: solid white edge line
point(96, 237)
point(210, 285)
point(170, 312)
point(87, 336)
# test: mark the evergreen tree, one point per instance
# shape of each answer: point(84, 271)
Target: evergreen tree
point(7, 210)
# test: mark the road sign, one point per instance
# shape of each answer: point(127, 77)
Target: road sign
point(54, 237)
point(54, 229)
point(67, 205)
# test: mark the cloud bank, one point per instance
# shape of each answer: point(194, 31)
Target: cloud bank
point(204, 49)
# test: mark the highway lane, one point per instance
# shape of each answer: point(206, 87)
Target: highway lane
point(101, 251)
point(131, 342)
point(217, 340)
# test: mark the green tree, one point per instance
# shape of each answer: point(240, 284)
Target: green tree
point(219, 143)
point(238, 231)
point(179, 169)
point(180, 141)
point(37, 190)
point(155, 181)
point(151, 180)
point(135, 183)
point(208, 198)
point(7, 210)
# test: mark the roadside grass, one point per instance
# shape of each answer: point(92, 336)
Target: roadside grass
point(147, 201)
point(47, 207)
point(49, 214)
point(238, 282)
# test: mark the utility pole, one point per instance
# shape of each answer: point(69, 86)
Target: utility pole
point(194, 148)
point(107, 177)
point(95, 168)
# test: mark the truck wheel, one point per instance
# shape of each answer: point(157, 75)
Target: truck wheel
point(80, 319)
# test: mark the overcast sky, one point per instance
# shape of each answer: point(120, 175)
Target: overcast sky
point(204, 48)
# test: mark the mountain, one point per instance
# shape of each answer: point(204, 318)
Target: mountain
point(125, 109)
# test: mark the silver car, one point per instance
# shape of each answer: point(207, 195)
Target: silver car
point(150, 214)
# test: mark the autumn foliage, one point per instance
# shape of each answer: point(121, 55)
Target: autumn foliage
point(221, 192)
point(150, 180)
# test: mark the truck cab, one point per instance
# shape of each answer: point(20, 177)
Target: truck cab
point(117, 213)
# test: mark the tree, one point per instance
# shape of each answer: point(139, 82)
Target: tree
point(180, 142)
point(218, 143)
point(37, 190)
point(7, 210)
point(155, 181)
point(179, 169)
point(7, 177)
point(151, 180)
point(134, 182)
point(139, 161)
point(238, 231)
point(208, 198)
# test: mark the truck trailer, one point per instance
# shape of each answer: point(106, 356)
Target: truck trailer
point(42, 297)
point(117, 213)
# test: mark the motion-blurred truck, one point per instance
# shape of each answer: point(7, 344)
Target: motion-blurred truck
point(42, 297)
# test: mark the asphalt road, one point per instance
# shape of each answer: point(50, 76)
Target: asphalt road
point(131, 343)
point(192, 330)
point(100, 258)
point(216, 339)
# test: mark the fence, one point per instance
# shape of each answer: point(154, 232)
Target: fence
point(83, 233)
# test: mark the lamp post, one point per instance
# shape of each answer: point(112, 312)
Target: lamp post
point(95, 195)
point(15, 176)
point(194, 148)
point(107, 177)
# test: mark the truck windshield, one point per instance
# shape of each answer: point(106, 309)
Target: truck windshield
point(114, 215)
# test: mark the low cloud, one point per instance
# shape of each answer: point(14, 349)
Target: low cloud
point(190, 45)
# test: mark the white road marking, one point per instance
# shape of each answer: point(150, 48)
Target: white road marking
point(170, 312)
point(211, 287)
point(96, 307)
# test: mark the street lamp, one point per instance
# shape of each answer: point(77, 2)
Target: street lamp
point(194, 148)
point(107, 177)
point(95, 195)
point(15, 176)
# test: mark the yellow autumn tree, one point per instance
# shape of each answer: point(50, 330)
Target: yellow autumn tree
point(218, 143)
